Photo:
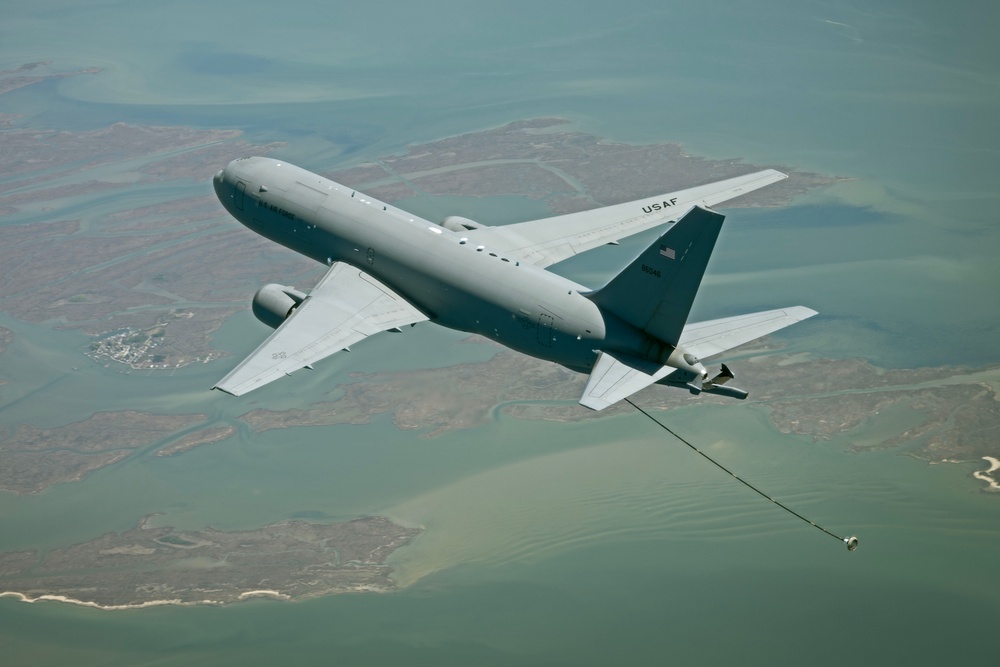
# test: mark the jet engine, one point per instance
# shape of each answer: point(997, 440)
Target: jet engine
point(457, 223)
point(273, 303)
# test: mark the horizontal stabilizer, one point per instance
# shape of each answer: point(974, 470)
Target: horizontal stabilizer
point(705, 339)
point(617, 376)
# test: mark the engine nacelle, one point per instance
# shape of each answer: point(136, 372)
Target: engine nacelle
point(457, 223)
point(273, 303)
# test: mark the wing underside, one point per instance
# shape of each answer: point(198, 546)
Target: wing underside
point(550, 240)
point(345, 307)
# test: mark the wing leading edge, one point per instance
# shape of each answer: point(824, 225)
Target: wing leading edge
point(549, 240)
point(346, 306)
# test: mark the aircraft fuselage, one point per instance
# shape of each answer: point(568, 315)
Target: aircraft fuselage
point(455, 282)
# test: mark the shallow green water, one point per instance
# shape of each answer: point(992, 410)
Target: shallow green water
point(569, 550)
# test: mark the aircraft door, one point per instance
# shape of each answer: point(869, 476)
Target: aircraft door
point(241, 189)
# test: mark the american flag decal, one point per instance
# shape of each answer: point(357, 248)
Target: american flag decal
point(668, 252)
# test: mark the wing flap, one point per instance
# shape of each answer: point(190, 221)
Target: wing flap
point(345, 307)
point(550, 240)
point(705, 339)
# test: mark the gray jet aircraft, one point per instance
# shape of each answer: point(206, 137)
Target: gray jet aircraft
point(390, 268)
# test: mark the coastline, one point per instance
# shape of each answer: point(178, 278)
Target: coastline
point(115, 607)
point(986, 475)
point(247, 595)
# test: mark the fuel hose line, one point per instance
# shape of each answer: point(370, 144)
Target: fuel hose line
point(851, 541)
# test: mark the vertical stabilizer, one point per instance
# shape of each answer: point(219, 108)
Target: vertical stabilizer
point(655, 291)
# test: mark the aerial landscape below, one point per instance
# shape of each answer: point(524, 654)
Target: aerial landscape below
point(434, 495)
point(147, 566)
point(134, 282)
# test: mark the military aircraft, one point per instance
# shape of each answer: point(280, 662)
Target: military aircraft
point(390, 268)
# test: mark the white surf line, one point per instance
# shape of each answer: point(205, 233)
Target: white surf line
point(111, 607)
point(265, 593)
point(985, 475)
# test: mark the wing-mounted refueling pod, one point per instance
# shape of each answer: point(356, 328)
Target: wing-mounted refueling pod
point(717, 385)
point(714, 386)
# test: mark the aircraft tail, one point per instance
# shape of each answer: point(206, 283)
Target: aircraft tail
point(655, 291)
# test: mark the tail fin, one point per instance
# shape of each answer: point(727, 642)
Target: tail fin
point(656, 290)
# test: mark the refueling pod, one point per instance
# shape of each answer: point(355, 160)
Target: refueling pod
point(717, 385)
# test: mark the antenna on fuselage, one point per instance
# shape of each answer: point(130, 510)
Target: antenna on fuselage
point(851, 541)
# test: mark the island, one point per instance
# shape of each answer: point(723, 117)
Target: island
point(570, 170)
point(34, 458)
point(956, 411)
point(146, 305)
point(129, 274)
point(146, 566)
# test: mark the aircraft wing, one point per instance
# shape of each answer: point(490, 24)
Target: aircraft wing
point(550, 240)
point(346, 306)
point(704, 339)
point(617, 376)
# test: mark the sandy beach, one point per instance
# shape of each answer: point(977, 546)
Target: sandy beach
point(152, 603)
point(986, 475)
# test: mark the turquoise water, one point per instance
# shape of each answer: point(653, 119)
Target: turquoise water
point(568, 550)
point(551, 543)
